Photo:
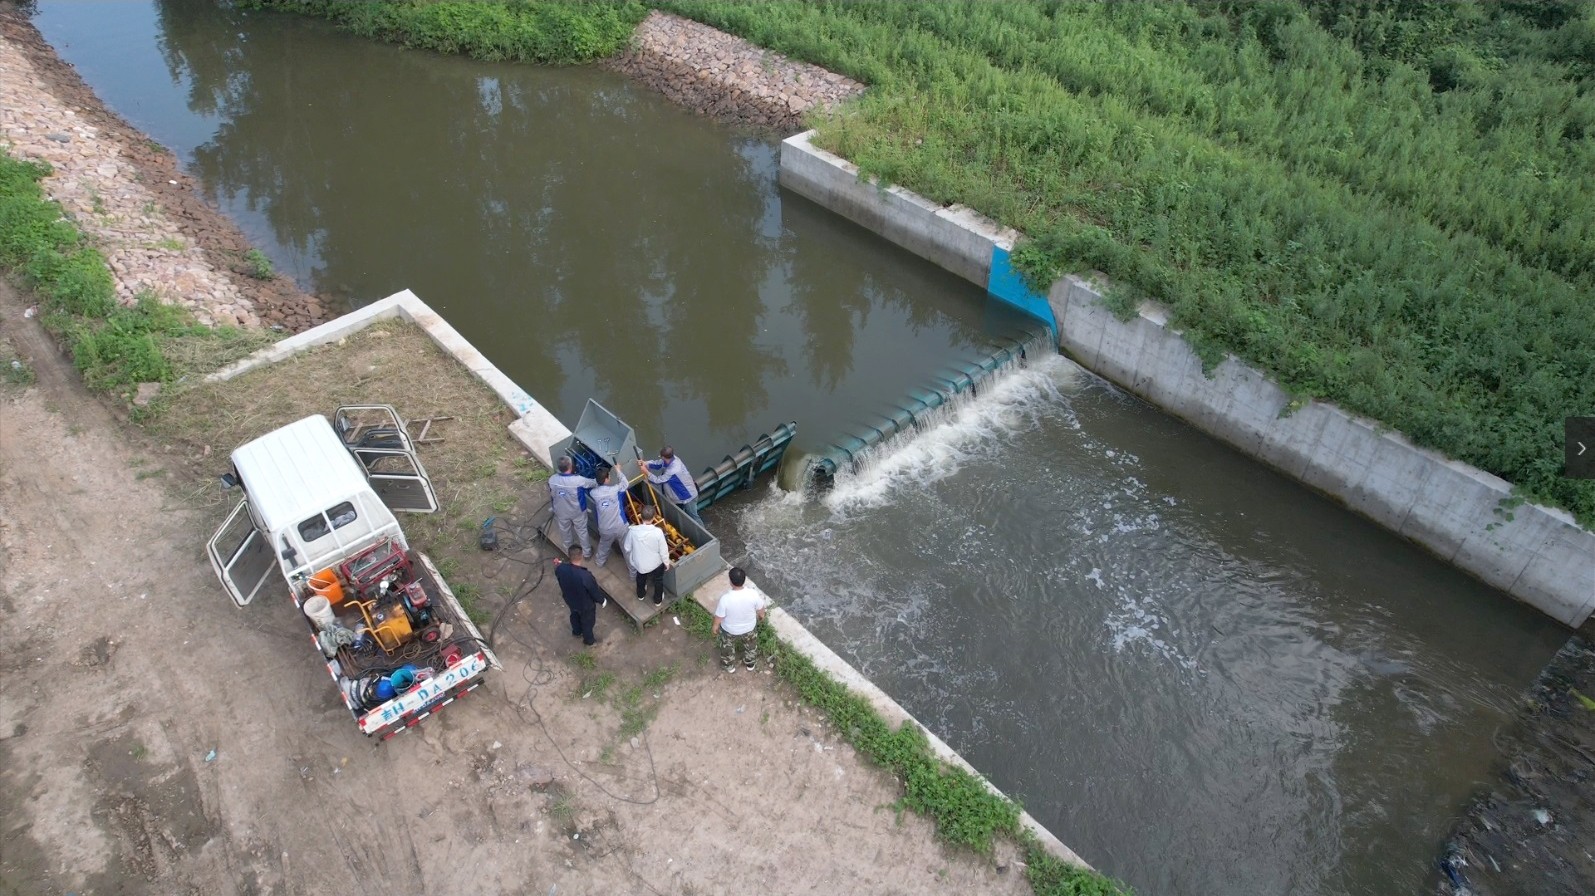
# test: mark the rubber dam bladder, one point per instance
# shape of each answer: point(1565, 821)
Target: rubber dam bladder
point(921, 408)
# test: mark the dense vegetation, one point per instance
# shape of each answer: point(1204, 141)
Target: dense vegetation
point(1390, 204)
point(547, 31)
point(115, 347)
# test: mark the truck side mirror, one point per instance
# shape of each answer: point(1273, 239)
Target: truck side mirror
point(229, 480)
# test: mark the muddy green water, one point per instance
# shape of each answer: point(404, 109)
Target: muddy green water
point(1200, 676)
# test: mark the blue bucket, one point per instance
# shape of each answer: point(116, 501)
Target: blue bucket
point(402, 679)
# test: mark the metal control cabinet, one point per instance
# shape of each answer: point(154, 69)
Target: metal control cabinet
point(604, 436)
point(601, 436)
point(697, 567)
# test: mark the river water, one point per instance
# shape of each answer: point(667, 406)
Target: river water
point(1201, 676)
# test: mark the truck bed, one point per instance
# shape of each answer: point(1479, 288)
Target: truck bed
point(447, 669)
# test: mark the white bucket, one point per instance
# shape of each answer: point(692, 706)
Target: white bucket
point(319, 609)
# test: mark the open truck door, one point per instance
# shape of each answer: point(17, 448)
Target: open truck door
point(241, 555)
point(375, 435)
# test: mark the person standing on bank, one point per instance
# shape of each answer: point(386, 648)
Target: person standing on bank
point(582, 595)
point(648, 555)
point(570, 506)
point(608, 500)
point(670, 474)
point(736, 622)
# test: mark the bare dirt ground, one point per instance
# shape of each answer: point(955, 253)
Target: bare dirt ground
point(125, 667)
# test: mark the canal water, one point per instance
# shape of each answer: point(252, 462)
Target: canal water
point(1200, 676)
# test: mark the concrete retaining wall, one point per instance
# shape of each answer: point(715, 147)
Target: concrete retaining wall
point(959, 239)
point(1539, 555)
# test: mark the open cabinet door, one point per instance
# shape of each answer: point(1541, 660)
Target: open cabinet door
point(241, 556)
point(375, 435)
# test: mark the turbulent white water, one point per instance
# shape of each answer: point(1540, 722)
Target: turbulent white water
point(967, 430)
point(1157, 644)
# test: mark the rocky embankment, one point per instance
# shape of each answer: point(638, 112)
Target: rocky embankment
point(728, 78)
point(128, 195)
point(1531, 830)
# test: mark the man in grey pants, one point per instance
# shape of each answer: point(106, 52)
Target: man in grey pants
point(608, 502)
point(570, 507)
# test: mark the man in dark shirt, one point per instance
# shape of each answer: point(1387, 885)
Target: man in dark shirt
point(582, 595)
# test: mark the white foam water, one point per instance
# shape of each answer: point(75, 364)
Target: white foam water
point(967, 429)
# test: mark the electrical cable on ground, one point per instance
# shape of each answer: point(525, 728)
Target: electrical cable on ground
point(514, 539)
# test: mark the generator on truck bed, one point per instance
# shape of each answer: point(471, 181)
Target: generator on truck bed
point(317, 511)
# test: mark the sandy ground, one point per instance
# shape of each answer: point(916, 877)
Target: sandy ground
point(125, 666)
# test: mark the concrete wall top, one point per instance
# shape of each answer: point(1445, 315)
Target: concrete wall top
point(955, 237)
point(535, 422)
point(959, 240)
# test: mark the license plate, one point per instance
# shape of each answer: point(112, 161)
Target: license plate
point(426, 692)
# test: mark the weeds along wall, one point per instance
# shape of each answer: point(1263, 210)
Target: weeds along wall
point(1539, 555)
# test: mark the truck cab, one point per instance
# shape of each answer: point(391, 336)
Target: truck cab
point(317, 514)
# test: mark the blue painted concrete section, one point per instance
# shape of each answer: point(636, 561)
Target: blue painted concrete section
point(1006, 284)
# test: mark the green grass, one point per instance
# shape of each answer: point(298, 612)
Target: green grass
point(470, 598)
point(16, 371)
point(530, 471)
point(1386, 205)
point(658, 678)
point(596, 687)
point(545, 31)
point(260, 267)
point(635, 711)
point(115, 347)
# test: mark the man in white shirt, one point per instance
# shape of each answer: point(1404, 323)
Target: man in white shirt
point(648, 555)
point(736, 622)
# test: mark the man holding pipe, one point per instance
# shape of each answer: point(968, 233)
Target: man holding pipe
point(670, 474)
point(648, 554)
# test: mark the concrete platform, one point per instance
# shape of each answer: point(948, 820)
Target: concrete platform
point(616, 580)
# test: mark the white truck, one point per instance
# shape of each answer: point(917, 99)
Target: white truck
point(317, 513)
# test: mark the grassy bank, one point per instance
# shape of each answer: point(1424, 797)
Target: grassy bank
point(965, 812)
point(115, 347)
point(547, 31)
point(1385, 205)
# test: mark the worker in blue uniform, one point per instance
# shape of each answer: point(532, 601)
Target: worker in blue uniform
point(567, 496)
point(608, 501)
point(670, 474)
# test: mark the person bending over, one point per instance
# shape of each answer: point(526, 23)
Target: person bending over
point(648, 555)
